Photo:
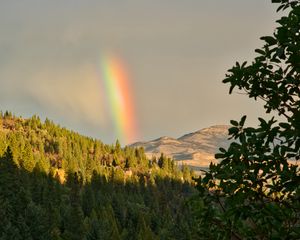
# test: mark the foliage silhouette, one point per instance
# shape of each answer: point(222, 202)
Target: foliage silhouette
point(255, 188)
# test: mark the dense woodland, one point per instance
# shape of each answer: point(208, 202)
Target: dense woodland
point(57, 184)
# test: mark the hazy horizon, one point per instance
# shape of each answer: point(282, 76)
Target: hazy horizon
point(176, 54)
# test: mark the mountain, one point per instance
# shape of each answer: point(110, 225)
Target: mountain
point(195, 149)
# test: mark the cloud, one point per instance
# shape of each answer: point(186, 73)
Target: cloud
point(75, 92)
point(177, 53)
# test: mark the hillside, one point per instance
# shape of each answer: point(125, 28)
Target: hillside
point(195, 149)
point(58, 184)
point(50, 148)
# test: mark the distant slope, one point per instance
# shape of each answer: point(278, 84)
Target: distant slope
point(195, 149)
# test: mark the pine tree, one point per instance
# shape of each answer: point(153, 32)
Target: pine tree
point(143, 230)
point(35, 219)
point(2, 142)
point(8, 227)
point(9, 175)
point(73, 222)
point(28, 161)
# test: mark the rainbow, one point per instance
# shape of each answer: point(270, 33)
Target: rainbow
point(120, 99)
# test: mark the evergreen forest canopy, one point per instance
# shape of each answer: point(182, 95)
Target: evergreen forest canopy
point(57, 184)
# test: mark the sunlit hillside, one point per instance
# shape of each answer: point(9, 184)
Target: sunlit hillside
point(58, 184)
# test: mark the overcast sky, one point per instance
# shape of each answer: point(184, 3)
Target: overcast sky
point(176, 53)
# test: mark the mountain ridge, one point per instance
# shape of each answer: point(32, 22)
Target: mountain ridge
point(195, 149)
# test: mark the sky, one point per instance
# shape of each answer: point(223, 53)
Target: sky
point(176, 54)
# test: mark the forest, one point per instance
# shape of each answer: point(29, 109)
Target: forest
point(57, 184)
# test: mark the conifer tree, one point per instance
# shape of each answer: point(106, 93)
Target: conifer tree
point(143, 230)
point(28, 161)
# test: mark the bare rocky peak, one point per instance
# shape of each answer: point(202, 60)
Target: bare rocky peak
point(208, 139)
point(167, 140)
point(195, 149)
point(213, 131)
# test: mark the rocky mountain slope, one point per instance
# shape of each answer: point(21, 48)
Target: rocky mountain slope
point(195, 149)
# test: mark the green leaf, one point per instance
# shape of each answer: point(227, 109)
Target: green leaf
point(244, 64)
point(262, 52)
point(284, 125)
point(263, 122)
point(242, 122)
point(270, 40)
point(231, 88)
point(219, 155)
point(234, 123)
point(222, 150)
point(233, 130)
